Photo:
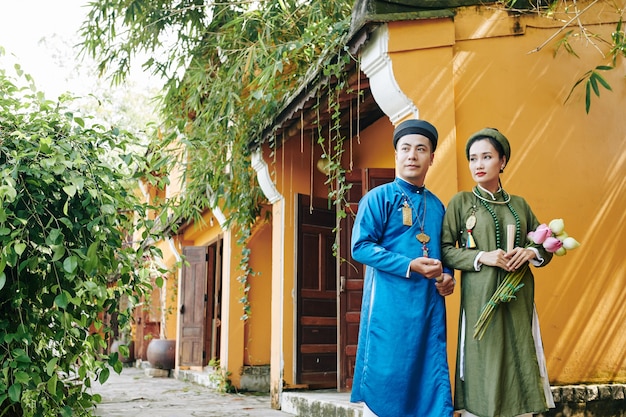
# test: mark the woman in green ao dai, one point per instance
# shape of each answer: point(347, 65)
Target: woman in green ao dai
point(504, 373)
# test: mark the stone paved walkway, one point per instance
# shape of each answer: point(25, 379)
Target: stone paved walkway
point(134, 394)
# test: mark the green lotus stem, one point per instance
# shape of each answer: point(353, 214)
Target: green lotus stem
point(503, 294)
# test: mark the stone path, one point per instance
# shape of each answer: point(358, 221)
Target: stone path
point(134, 394)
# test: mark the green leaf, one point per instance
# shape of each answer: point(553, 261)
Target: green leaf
point(15, 392)
point(19, 248)
point(7, 192)
point(54, 237)
point(52, 385)
point(58, 252)
point(66, 411)
point(70, 190)
point(70, 264)
point(3, 279)
point(602, 81)
point(21, 356)
point(61, 300)
point(51, 366)
point(594, 83)
point(21, 377)
point(104, 375)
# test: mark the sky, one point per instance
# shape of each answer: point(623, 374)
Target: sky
point(38, 34)
point(33, 31)
point(41, 35)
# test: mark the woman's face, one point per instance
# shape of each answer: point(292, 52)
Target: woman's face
point(485, 164)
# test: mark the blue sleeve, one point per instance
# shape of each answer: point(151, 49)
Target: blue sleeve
point(369, 231)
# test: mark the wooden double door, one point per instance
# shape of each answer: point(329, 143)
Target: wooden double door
point(330, 291)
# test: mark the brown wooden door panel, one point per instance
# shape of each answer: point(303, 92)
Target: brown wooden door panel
point(352, 272)
point(193, 306)
point(213, 303)
point(316, 361)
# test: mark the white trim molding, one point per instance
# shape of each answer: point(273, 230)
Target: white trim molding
point(264, 178)
point(376, 64)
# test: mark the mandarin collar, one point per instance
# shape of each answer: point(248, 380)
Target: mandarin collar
point(498, 195)
point(408, 187)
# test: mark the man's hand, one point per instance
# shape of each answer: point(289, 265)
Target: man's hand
point(430, 268)
point(446, 285)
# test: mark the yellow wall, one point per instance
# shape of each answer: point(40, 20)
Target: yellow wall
point(169, 294)
point(258, 326)
point(566, 163)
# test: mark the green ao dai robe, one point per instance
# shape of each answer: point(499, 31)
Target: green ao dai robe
point(501, 374)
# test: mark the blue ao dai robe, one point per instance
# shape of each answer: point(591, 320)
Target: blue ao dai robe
point(401, 365)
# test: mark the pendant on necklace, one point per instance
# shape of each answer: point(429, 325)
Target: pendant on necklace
point(471, 222)
point(407, 214)
point(423, 238)
point(469, 225)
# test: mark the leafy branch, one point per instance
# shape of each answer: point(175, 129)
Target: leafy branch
point(227, 68)
point(592, 79)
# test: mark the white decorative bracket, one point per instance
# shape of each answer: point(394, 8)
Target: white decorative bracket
point(376, 64)
point(264, 178)
point(215, 210)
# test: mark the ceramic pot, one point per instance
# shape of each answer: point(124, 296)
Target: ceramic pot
point(161, 353)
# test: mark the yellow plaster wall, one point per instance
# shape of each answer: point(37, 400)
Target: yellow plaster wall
point(566, 163)
point(232, 309)
point(170, 294)
point(258, 327)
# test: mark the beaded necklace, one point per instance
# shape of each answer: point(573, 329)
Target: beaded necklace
point(507, 201)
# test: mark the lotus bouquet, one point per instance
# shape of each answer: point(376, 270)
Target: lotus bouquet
point(554, 239)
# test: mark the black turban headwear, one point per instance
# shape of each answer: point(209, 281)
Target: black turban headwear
point(414, 126)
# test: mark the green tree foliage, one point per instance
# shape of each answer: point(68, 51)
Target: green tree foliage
point(67, 214)
point(227, 68)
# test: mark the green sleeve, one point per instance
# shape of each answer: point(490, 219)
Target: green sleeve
point(453, 252)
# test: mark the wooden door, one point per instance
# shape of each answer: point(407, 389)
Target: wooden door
point(214, 302)
point(194, 297)
point(148, 327)
point(351, 273)
point(317, 295)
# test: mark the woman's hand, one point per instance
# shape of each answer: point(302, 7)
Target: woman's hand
point(509, 261)
point(518, 257)
point(495, 258)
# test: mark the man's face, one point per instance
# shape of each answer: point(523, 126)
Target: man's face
point(413, 158)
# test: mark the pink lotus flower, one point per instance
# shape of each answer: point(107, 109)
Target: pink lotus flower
point(552, 244)
point(555, 240)
point(540, 234)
